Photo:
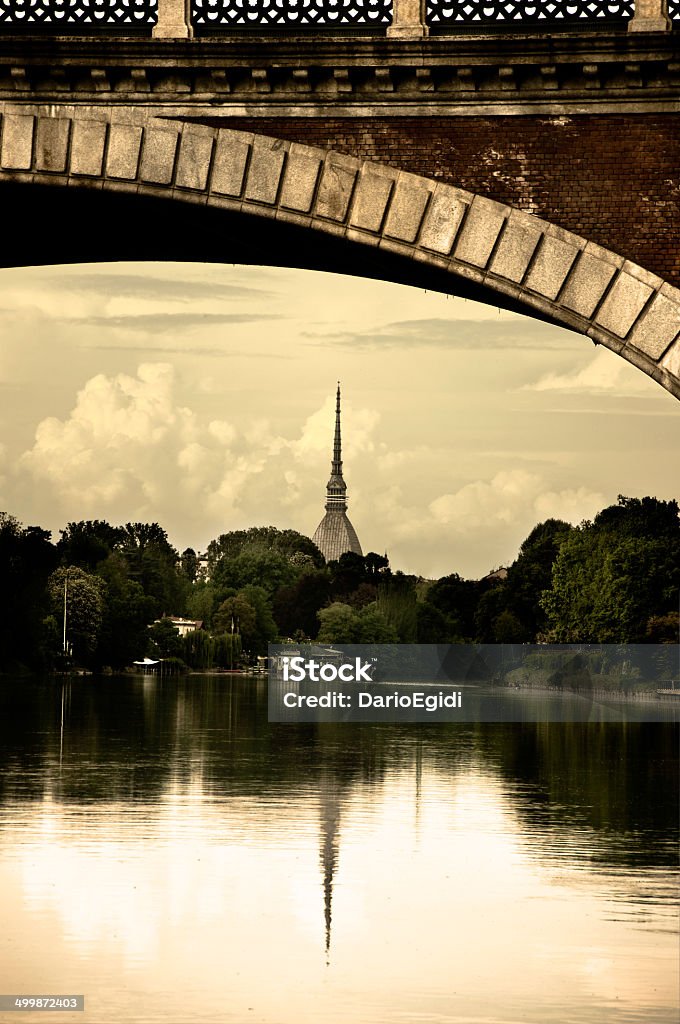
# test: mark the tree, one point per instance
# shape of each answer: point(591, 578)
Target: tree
point(613, 575)
point(236, 615)
point(27, 557)
point(338, 624)
point(165, 639)
point(457, 599)
point(531, 574)
point(201, 602)
point(254, 566)
point(82, 595)
point(287, 543)
point(88, 542)
point(351, 571)
point(189, 564)
point(433, 627)
point(199, 649)
point(126, 614)
point(295, 607)
point(507, 629)
point(265, 625)
point(663, 629)
point(398, 605)
point(373, 627)
point(250, 613)
point(154, 563)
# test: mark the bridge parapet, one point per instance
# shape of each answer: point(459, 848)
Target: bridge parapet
point(400, 19)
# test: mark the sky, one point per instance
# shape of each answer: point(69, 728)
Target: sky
point(202, 396)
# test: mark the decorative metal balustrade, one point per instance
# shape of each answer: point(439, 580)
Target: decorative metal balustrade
point(258, 14)
point(134, 17)
point(68, 17)
point(454, 15)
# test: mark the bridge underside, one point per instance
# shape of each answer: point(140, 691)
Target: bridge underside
point(104, 189)
point(87, 226)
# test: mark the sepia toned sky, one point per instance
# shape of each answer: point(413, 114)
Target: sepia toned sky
point(202, 397)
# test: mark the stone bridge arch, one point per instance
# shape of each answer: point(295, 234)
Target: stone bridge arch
point(456, 239)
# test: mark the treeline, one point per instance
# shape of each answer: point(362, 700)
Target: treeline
point(613, 580)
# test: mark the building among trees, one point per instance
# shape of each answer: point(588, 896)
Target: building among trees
point(335, 535)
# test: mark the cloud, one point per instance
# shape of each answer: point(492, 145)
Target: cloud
point(129, 449)
point(605, 373)
point(164, 323)
point(455, 334)
point(149, 287)
point(183, 350)
point(510, 497)
point(317, 437)
point(483, 522)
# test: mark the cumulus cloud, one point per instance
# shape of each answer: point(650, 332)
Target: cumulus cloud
point(607, 372)
point(510, 497)
point(358, 427)
point(131, 449)
point(128, 449)
point(481, 524)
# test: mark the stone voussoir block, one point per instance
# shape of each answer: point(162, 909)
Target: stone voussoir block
point(158, 156)
point(659, 325)
point(122, 158)
point(232, 151)
point(336, 187)
point(407, 209)
point(640, 274)
point(443, 218)
point(671, 361)
point(480, 231)
point(589, 280)
point(265, 169)
point(193, 162)
point(371, 197)
point(88, 139)
point(623, 305)
point(51, 144)
point(301, 176)
point(516, 246)
point(554, 259)
point(16, 152)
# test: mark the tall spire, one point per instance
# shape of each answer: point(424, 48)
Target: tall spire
point(335, 534)
point(337, 443)
point(336, 489)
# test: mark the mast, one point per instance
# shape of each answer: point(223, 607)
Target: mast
point(65, 589)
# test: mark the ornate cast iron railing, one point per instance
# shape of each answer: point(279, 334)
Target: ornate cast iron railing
point(454, 15)
point(67, 17)
point(258, 14)
point(135, 17)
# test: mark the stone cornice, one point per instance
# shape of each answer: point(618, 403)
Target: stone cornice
point(305, 72)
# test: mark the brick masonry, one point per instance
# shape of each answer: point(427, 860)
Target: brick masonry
point(614, 179)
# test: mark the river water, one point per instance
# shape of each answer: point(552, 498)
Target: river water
point(173, 857)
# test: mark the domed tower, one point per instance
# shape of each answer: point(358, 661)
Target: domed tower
point(335, 534)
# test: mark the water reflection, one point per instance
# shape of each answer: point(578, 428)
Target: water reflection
point(167, 852)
